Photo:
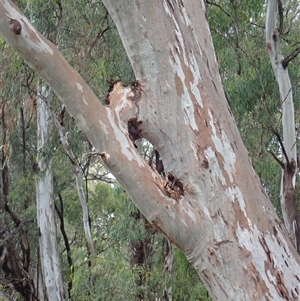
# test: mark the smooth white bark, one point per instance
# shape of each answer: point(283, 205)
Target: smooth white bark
point(283, 80)
point(46, 210)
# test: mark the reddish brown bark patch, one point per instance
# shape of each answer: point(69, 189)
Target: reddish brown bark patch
point(240, 218)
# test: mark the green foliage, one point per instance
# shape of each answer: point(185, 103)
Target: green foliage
point(113, 277)
point(184, 280)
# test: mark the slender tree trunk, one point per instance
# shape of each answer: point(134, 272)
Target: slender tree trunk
point(289, 204)
point(140, 249)
point(211, 203)
point(60, 213)
point(168, 266)
point(46, 210)
point(4, 156)
point(58, 120)
point(40, 288)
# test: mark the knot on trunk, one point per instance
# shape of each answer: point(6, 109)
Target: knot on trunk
point(15, 26)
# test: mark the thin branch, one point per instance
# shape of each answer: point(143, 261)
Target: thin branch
point(220, 7)
point(257, 25)
point(21, 224)
point(102, 179)
point(94, 41)
point(291, 20)
point(290, 57)
point(282, 146)
point(276, 159)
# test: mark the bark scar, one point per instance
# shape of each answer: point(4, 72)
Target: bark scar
point(170, 186)
point(123, 100)
point(15, 26)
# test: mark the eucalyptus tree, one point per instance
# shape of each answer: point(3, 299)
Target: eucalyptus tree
point(211, 203)
point(143, 277)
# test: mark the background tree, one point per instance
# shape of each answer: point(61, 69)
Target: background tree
point(288, 201)
point(49, 253)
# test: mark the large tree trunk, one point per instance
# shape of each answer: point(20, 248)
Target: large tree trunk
point(211, 205)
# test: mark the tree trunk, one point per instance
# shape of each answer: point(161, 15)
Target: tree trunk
point(168, 267)
point(46, 210)
point(40, 288)
point(58, 120)
point(288, 201)
point(211, 203)
point(139, 253)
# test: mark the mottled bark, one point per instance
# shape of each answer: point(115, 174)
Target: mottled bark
point(214, 208)
point(49, 253)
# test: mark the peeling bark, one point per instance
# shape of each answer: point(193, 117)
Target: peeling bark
point(224, 214)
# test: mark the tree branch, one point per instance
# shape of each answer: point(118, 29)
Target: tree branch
point(94, 41)
point(276, 159)
point(290, 57)
point(220, 7)
point(282, 146)
point(10, 235)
